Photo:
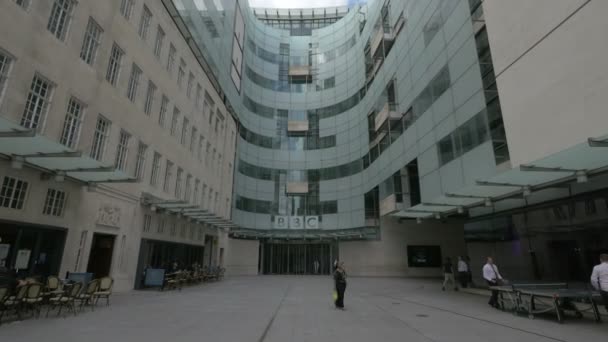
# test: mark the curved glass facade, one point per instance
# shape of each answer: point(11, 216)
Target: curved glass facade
point(394, 90)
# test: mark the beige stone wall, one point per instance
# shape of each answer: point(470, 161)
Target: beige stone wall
point(388, 256)
point(242, 257)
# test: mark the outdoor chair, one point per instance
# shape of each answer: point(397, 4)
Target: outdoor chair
point(104, 290)
point(4, 294)
point(86, 297)
point(33, 298)
point(66, 299)
point(52, 285)
point(15, 302)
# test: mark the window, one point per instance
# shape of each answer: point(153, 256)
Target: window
point(61, 14)
point(100, 137)
point(203, 195)
point(162, 115)
point(6, 62)
point(201, 141)
point(72, 123)
point(144, 23)
point(147, 223)
point(210, 203)
point(171, 58)
point(188, 189)
point(54, 203)
point(114, 65)
point(178, 182)
point(92, 39)
point(13, 193)
point(195, 198)
point(140, 162)
point(193, 138)
point(181, 73)
point(149, 98)
point(126, 8)
point(133, 82)
point(160, 229)
point(168, 175)
point(210, 118)
point(155, 169)
point(184, 131)
point(23, 3)
point(217, 123)
point(208, 151)
point(174, 121)
point(199, 94)
point(37, 102)
point(158, 44)
point(190, 84)
point(122, 151)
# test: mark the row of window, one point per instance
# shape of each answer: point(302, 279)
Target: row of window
point(14, 192)
point(285, 85)
point(190, 231)
point(270, 207)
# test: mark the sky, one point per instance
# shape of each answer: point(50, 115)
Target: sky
point(299, 3)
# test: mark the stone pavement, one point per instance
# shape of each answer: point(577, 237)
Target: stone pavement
point(298, 309)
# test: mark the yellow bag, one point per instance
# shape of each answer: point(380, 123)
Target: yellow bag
point(334, 295)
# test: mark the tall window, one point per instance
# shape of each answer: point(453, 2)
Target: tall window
point(184, 131)
point(72, 123)
point(23, 3)
point(188, 190)
point(92, 40)
point(190, 84)
point(155, 169)
point(61, 15)
point(160, 229)
point(204, 195)
point(174, 119)
point(12, 194)
point(195, 198)
point(149, 98)
point(210, 118)
point(178, 182)
point(158, 44)
point(171, 58)
point(181, 72)
point(144, 23)
point(193, 138)
point(162, 115)
point(210, 201)
point(122, 151)
point(133, 82)
point(168, 175)
point(126, 8)
point(114, 65)
point(37, 103)
point(54, 203)
point(100, 137)
point(208, 151)
point(140, 162)
point(201, 141)
point(6, 62)
point(147, 223)
point(199, 96)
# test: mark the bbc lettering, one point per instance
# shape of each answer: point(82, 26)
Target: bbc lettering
point(296, 222)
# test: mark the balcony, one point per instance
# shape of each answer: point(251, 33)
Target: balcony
point(388, 111)
point(297, 126)
point(296, 188)
point(300, 74)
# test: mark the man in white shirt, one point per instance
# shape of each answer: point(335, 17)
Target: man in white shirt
point(599, 278)
point(493, 277)
point(463, 272)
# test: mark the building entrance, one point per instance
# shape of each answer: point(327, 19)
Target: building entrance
point(100, 259)
point(296, 258)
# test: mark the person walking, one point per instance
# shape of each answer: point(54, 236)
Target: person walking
point(340, 283)
point(315, 266)
point(493, 278)
point(448, 274)
point(599, 278)
point(463, 272)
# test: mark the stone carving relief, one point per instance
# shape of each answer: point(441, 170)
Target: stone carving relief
point(109, 215)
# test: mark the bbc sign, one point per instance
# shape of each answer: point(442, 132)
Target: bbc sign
point(296, 222)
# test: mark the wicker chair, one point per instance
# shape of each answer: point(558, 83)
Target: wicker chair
point(104, 290)
point(66, 299)
point(33, 297)
point(87, 296)
point(4, 294)
point(15, 302)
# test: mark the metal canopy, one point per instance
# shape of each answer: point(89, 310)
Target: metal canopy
point(30, 148)
point(363, 233)
point(570, 165)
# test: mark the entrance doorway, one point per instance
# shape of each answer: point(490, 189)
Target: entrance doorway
point(296, 258)
point(100, 259)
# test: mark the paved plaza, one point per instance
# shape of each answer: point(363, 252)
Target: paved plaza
point(292, 308)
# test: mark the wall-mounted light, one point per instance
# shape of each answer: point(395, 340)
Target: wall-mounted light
point(59, 176)
point(460, 210)
point(581, 176)
point(438, 216)
point(153, 208)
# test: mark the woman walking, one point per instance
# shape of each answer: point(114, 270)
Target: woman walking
point(340, 282)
